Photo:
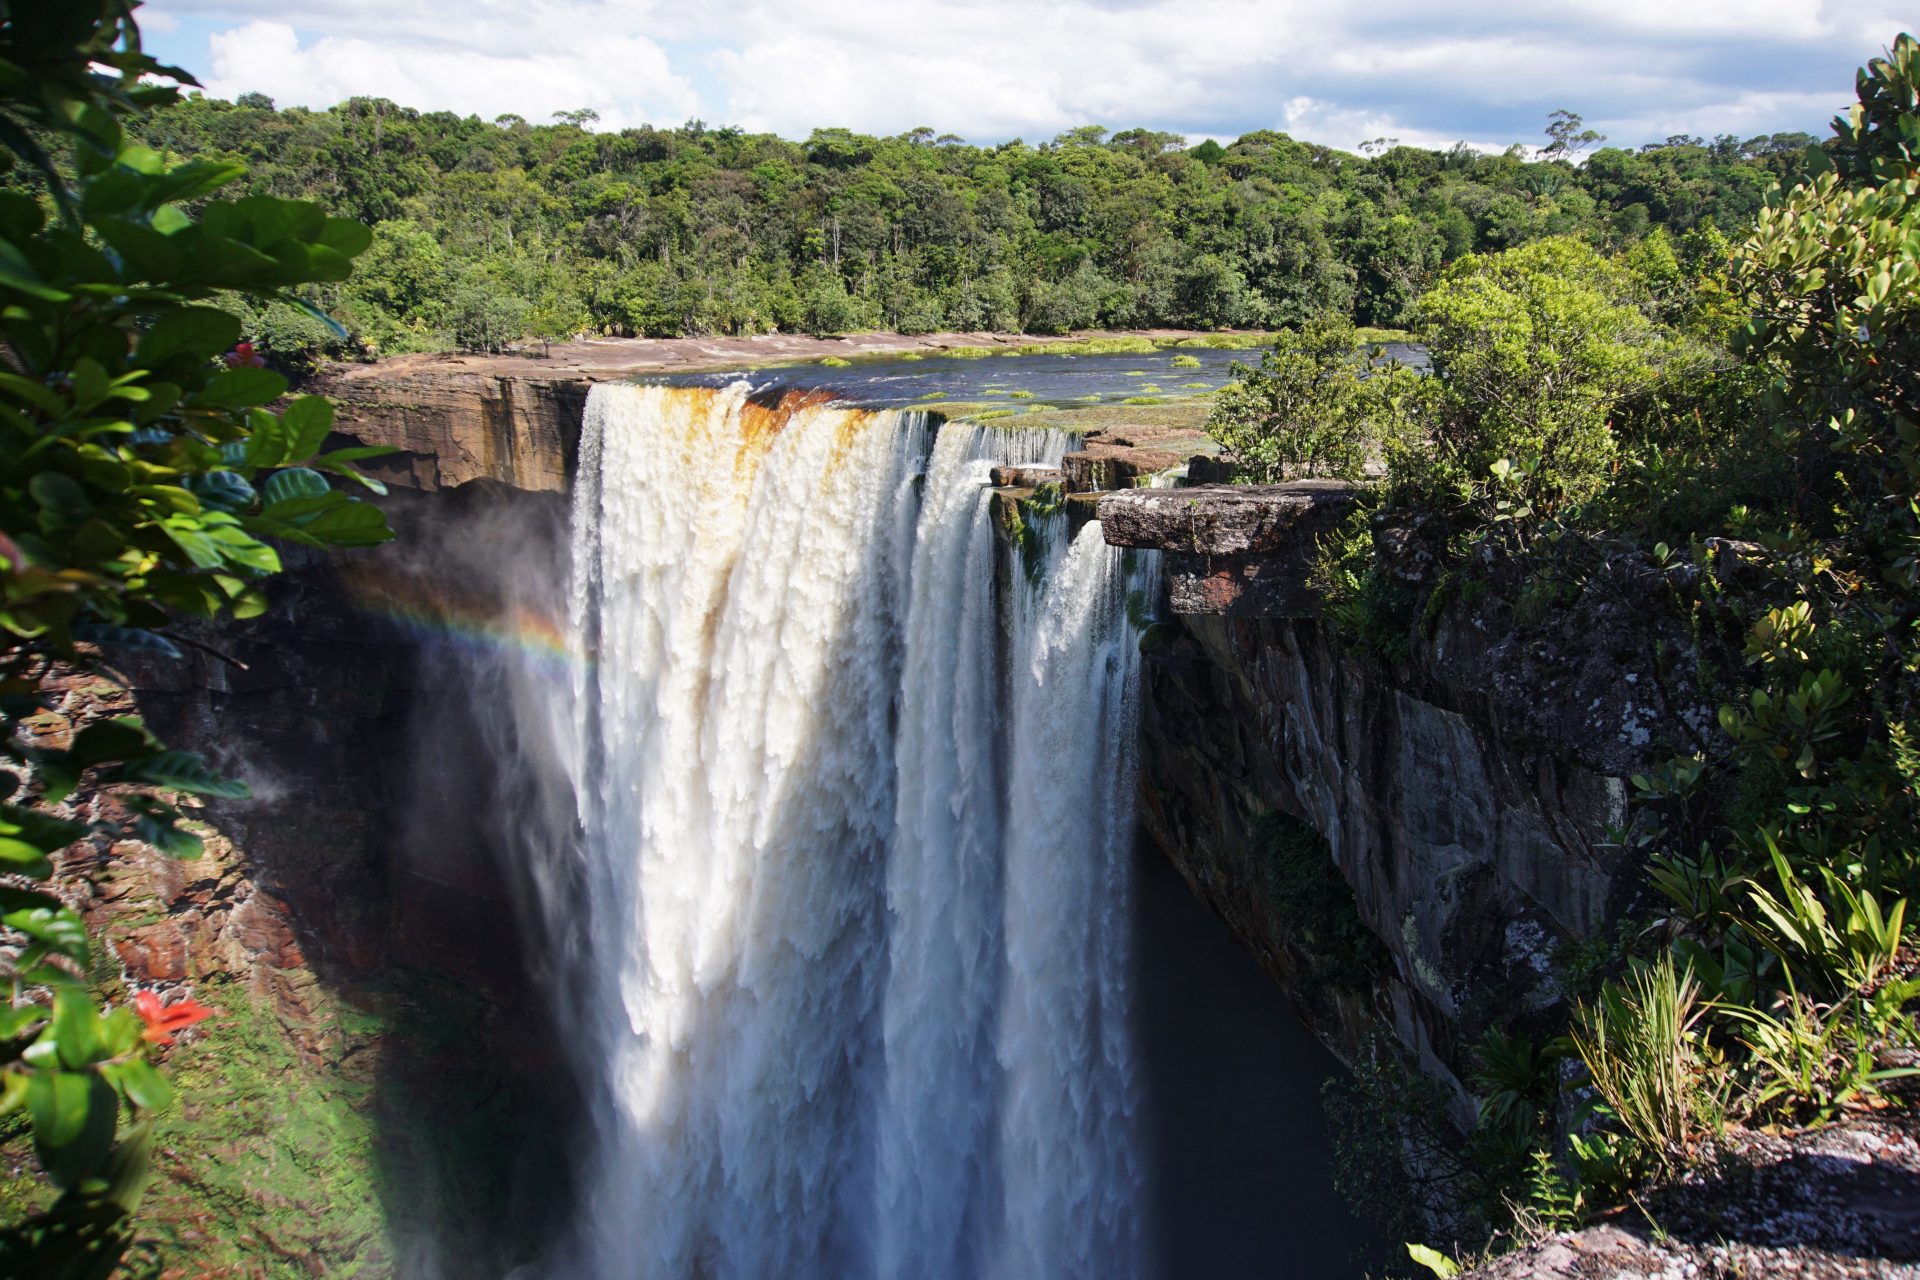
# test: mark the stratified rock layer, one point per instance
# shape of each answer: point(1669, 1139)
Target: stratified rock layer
point(452, 427)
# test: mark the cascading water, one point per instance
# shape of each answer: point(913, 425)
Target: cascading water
point(853, 800)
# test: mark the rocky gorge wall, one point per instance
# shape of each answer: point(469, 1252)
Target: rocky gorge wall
point(1469, 792)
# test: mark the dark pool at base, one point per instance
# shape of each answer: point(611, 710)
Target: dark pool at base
point(1239, 1164)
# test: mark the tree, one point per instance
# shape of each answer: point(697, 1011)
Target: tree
point(143, 483)
point(1567, 138)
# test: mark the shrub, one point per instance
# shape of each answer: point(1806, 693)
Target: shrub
point(1533, 351)
point(1648, 1061)
point(1317, 405)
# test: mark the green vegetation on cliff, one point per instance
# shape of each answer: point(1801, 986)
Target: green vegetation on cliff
point(1736, 424)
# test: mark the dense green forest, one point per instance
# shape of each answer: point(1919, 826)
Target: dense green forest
point(490, 233)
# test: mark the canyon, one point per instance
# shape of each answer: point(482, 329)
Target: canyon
point(371, 906)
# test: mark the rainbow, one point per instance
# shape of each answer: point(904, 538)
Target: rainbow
point(441, 615)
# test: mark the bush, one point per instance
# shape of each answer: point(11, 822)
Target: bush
point(1318, 405)
point(1533, 352)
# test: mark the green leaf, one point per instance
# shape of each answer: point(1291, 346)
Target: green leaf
point(58, 1102)
point(267, 445)
point(242, 550)
point(352, 524)
point(1433, 1260)
point(147, 1088)
point(15, 1022)
point(76, 1028)
point(291, 485)
point(19, 274)
point(79, 1113)
point(57, 929)
point(308, 420)
point(108, 741)
point(222, 490)
point(200, 332)
point(169, 839)
point(26, 837)
point(181, 771)
point(242, 388)
point(345, 237)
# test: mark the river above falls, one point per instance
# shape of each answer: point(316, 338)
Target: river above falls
point(1045, 379)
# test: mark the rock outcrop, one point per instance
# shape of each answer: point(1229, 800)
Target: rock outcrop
point(1240, 551)
point(1833, 1204)
point(454, 427)
point(1467, 791)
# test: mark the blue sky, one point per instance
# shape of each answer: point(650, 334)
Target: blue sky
point(989, 70)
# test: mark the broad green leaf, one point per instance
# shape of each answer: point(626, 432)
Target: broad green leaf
point(222, 490)
point(352, 524)
point(76, 1028)
point(17, 273)
point(58, 1101)
point(291, 485)
point(267, 445)
point(201, 332)
point(108, 741)
point(81, 1110)
point(147, 1088)
point(168, 838)
point(242, 388)
point(181, 771)
point(15, 1022)
point(308, 420)
point(57, 929)
point(26, 837)
point(241, 550)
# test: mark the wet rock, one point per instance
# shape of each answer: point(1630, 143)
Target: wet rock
point(1024, 477)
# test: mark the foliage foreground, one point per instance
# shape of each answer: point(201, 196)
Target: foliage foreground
point(144, 485)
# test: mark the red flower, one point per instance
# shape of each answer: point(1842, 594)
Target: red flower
point(164, 1019)
point(244, 356)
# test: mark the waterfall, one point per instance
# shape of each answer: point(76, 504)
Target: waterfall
point(853, 795)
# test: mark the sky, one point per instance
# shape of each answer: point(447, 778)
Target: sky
point(1424, 72)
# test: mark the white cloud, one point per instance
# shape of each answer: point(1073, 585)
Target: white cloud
point(626, 78)
point(991, 69)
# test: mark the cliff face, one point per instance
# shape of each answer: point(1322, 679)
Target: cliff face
point(1469, 793)
point(454, 426)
